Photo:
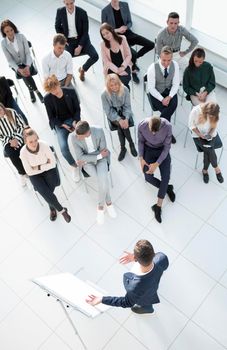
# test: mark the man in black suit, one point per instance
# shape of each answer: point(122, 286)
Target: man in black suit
point(72, 21)
point(141, 283)
point(63, 108)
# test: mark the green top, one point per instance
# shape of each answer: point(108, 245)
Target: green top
point(197, 77)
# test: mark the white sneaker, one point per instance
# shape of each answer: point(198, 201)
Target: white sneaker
point(100, 216)
point(111, 211)
point(23, 180)
point(76, 174)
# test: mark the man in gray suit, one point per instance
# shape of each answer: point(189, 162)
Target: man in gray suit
point(90, 147)
point(118, 15)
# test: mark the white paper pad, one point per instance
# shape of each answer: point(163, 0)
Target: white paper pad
point(71, 290)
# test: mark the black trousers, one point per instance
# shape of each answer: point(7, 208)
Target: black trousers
point(45, 184)
point(135, 39)
point(151, 155)
point(166, 111)
point(125, 79)
point(87, 49)
point(123, 134)
point(14, 155)
point(29, 81)
point(209, 155)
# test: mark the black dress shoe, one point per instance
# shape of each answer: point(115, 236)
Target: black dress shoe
point(32, 96)
point(205, 178)
point(122, 154)
point(133, 149)
point(220, 177)
point(135, 78)
point(40, 96)
point(53, 214)
point(170, 193)
point(173, 139)
point(157, 212)
point(142, 309)
point(65, 215)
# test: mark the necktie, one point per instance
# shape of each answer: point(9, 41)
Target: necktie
point(166, 73)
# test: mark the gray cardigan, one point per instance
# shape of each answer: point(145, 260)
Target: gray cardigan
point(112, 101)
point(14, 58)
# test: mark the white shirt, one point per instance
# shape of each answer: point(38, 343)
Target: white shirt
point(90, 146)
point(193, 122)
point(13, 43)
point(151, 80)
point(71, 24)
point(60, 66)
point(136, 269)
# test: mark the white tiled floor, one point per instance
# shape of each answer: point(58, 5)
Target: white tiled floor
point(192, 313)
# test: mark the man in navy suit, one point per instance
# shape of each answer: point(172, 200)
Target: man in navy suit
point(118, 15)
point(72, 21)
point(141, 283)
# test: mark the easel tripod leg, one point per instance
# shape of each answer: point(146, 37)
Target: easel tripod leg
point(71, 322)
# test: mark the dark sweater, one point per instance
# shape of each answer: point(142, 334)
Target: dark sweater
point(195, 78)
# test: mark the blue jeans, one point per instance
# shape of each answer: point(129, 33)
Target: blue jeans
point(62, 135)
point(19, 111)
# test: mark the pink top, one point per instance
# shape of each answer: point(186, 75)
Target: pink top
point(33, 160)
point(126, 54)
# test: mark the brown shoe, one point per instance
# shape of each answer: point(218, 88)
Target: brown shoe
point(53, 215)
point(82, 74)
point(65, 215)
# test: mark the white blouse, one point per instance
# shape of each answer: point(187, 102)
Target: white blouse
point(193, 122)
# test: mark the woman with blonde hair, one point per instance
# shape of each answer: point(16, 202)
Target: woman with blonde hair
point(40, 165)
point(117, 107)
point(203, 120)
point(11, 136)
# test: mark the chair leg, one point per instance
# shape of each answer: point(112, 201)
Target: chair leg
point(219, 159)
point(186, 136)
point(37, 196)
point(111, 179)
point(196, 161)
point(84, 180)
point(175, 117)
point(144, 88)
point(111, 137)
point(63, 190)
point(104, 119)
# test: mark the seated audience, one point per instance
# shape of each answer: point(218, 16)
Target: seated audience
point(154, 142)
point(172, 36)
point(163, 83)
point(117, 107)
point(11, 136)
point(16, 50)
point(72, 21)
point(199, 79)
point(63, 108)
point(203, 120)
point(59, 62)
point(6, 97)
point(141, 283)
point(116, 54)
point(117, 14)
point(92, 154)
point(40, 165)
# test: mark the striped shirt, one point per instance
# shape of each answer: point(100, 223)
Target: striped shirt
point(10, 131)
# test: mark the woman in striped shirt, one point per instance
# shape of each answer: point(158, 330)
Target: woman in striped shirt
point(11, 136)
